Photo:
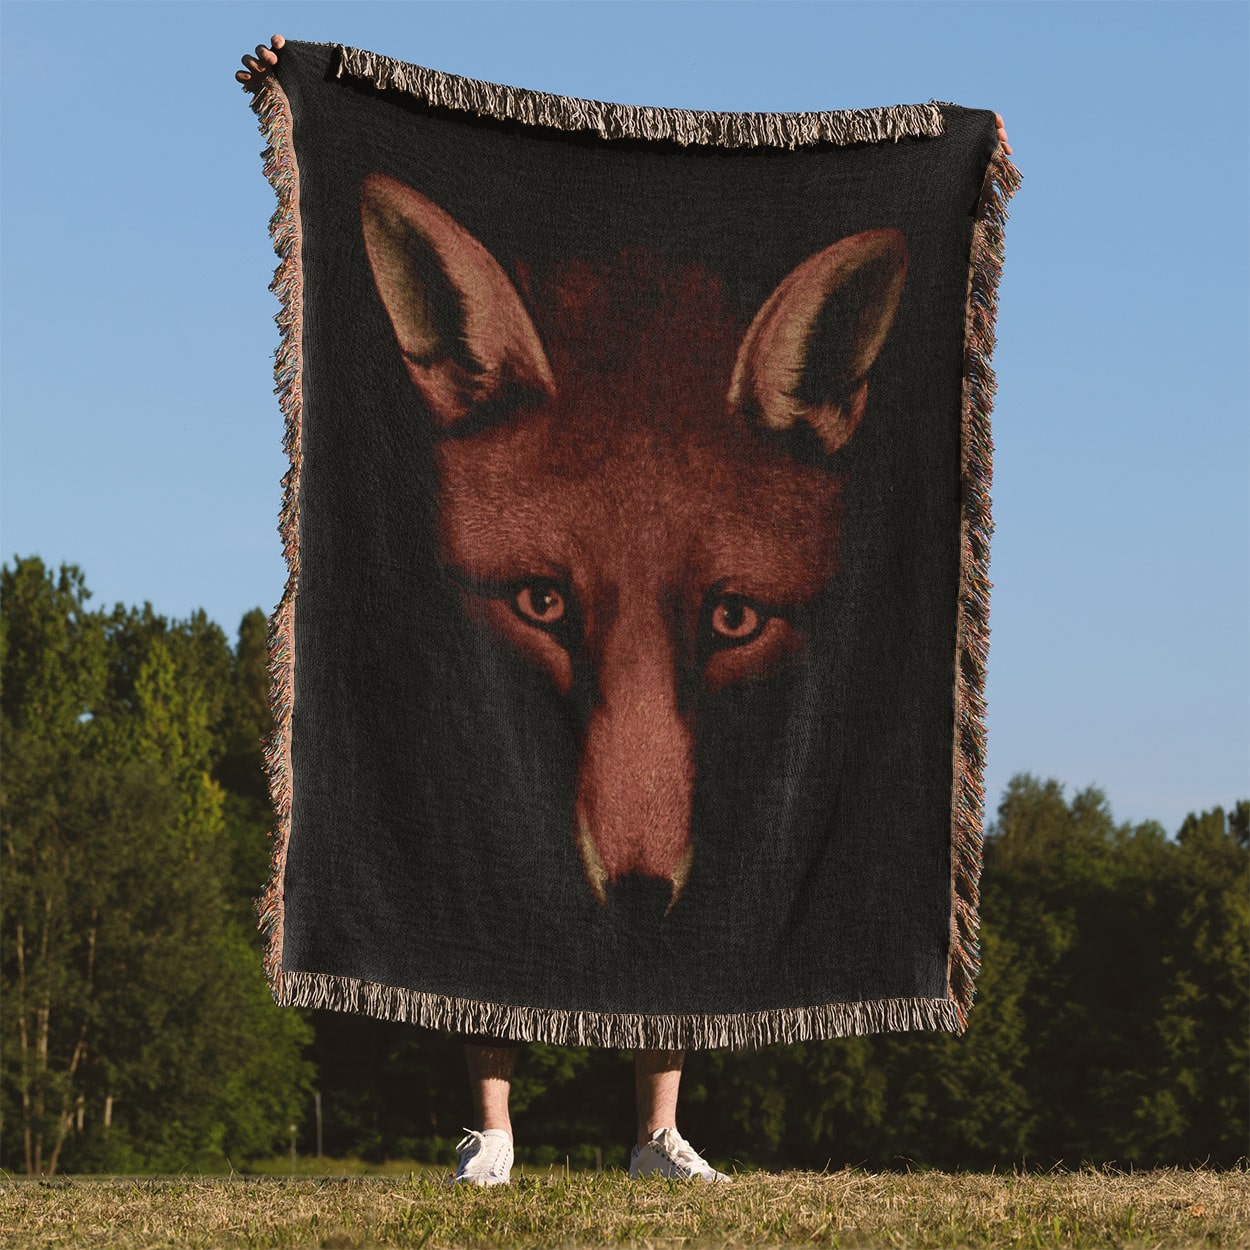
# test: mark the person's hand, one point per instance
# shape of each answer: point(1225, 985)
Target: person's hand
point(998, 117)
point(258, 65)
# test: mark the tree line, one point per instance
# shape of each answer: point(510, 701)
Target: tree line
point(138, 1033)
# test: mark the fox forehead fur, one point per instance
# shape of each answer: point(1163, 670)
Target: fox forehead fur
point(621, 497)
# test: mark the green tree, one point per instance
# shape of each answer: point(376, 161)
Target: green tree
point(1200, 1105)
point(245, 722)
point(1134, 950)
point(140, 1032)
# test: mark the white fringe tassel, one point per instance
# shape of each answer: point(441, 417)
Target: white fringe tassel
point(631, 121)
point(738, 1031)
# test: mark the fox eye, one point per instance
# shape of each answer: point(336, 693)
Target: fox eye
point(736, 620)
point(540, 603)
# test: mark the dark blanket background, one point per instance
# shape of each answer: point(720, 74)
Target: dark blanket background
point(431, 837)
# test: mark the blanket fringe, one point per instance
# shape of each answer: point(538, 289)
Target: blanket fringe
point(972, 637)
point(274, 113)
point(630, 121)
point(738, 1031)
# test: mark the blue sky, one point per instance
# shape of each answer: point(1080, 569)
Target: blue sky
point(141, 439)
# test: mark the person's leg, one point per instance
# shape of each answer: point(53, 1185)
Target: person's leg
point(486, 1152)
point(661, 1149)
point(490, 1080)
point(657, 1078)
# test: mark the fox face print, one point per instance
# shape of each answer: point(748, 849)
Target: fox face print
point(633, 493)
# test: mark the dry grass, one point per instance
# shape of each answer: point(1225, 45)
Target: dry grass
point(842, 1209)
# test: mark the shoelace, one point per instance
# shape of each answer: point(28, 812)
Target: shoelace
point(683, 1153)
point(471, 1135)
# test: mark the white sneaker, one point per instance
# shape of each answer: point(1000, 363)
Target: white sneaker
point(668, 1153)
point(485, 1158)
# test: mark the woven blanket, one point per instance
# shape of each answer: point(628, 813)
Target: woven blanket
point(628, 676)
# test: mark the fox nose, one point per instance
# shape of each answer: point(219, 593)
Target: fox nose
point(635, 786)
point(601, 883)
point(645, 899)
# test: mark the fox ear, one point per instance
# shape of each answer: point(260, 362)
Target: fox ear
point(806, 355)
point(463, 331)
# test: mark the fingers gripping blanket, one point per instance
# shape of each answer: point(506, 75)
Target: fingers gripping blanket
point(628, 676)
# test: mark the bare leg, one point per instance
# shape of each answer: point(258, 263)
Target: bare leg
point(490, 1078)
point(657, 1078)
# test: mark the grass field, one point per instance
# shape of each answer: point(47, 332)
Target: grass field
point(840, 1209)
